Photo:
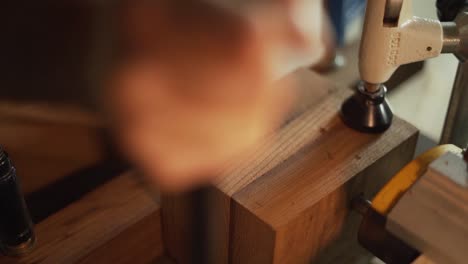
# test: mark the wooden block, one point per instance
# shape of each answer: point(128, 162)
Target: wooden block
point(140, 243)
point(432, 216)
point(118, 221)
point(288, 201)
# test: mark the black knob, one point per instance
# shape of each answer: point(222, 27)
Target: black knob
point(367, 112)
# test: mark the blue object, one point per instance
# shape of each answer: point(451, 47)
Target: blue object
point(343, 13)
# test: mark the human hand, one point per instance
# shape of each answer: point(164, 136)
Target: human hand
point(195, 86)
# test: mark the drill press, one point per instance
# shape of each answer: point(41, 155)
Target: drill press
point(391, 37)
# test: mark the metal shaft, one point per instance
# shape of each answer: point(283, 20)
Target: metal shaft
point(451, 38)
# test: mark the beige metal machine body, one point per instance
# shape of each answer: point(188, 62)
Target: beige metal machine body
point(393, 36)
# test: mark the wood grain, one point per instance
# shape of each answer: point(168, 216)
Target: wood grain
point(140, 243)
point(105, 223)
point(176, 227)
point(287, 201)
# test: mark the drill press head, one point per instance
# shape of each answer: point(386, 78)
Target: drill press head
point(391, 37)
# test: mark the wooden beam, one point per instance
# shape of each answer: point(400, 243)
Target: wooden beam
point(48, 142)
point(288, 201)
point(51, 113)
point(119, 220)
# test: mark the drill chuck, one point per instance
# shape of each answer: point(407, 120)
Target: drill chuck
point(368, 110)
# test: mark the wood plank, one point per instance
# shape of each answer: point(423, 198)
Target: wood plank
point(51, 113)
point(48, 142)
point(432, 216)
point(140, 243)
point(176, 226)
point(115, 213)
point(287, 201)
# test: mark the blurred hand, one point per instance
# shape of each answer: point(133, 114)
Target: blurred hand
point(195, 86)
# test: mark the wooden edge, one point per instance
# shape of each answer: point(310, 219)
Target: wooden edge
point(44, 152)
point(57, 113)
point(140, 243)
point(80, 231)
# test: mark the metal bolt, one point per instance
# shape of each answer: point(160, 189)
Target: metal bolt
point(360, 204)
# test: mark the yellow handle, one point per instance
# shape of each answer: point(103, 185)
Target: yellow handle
point(386, 199)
